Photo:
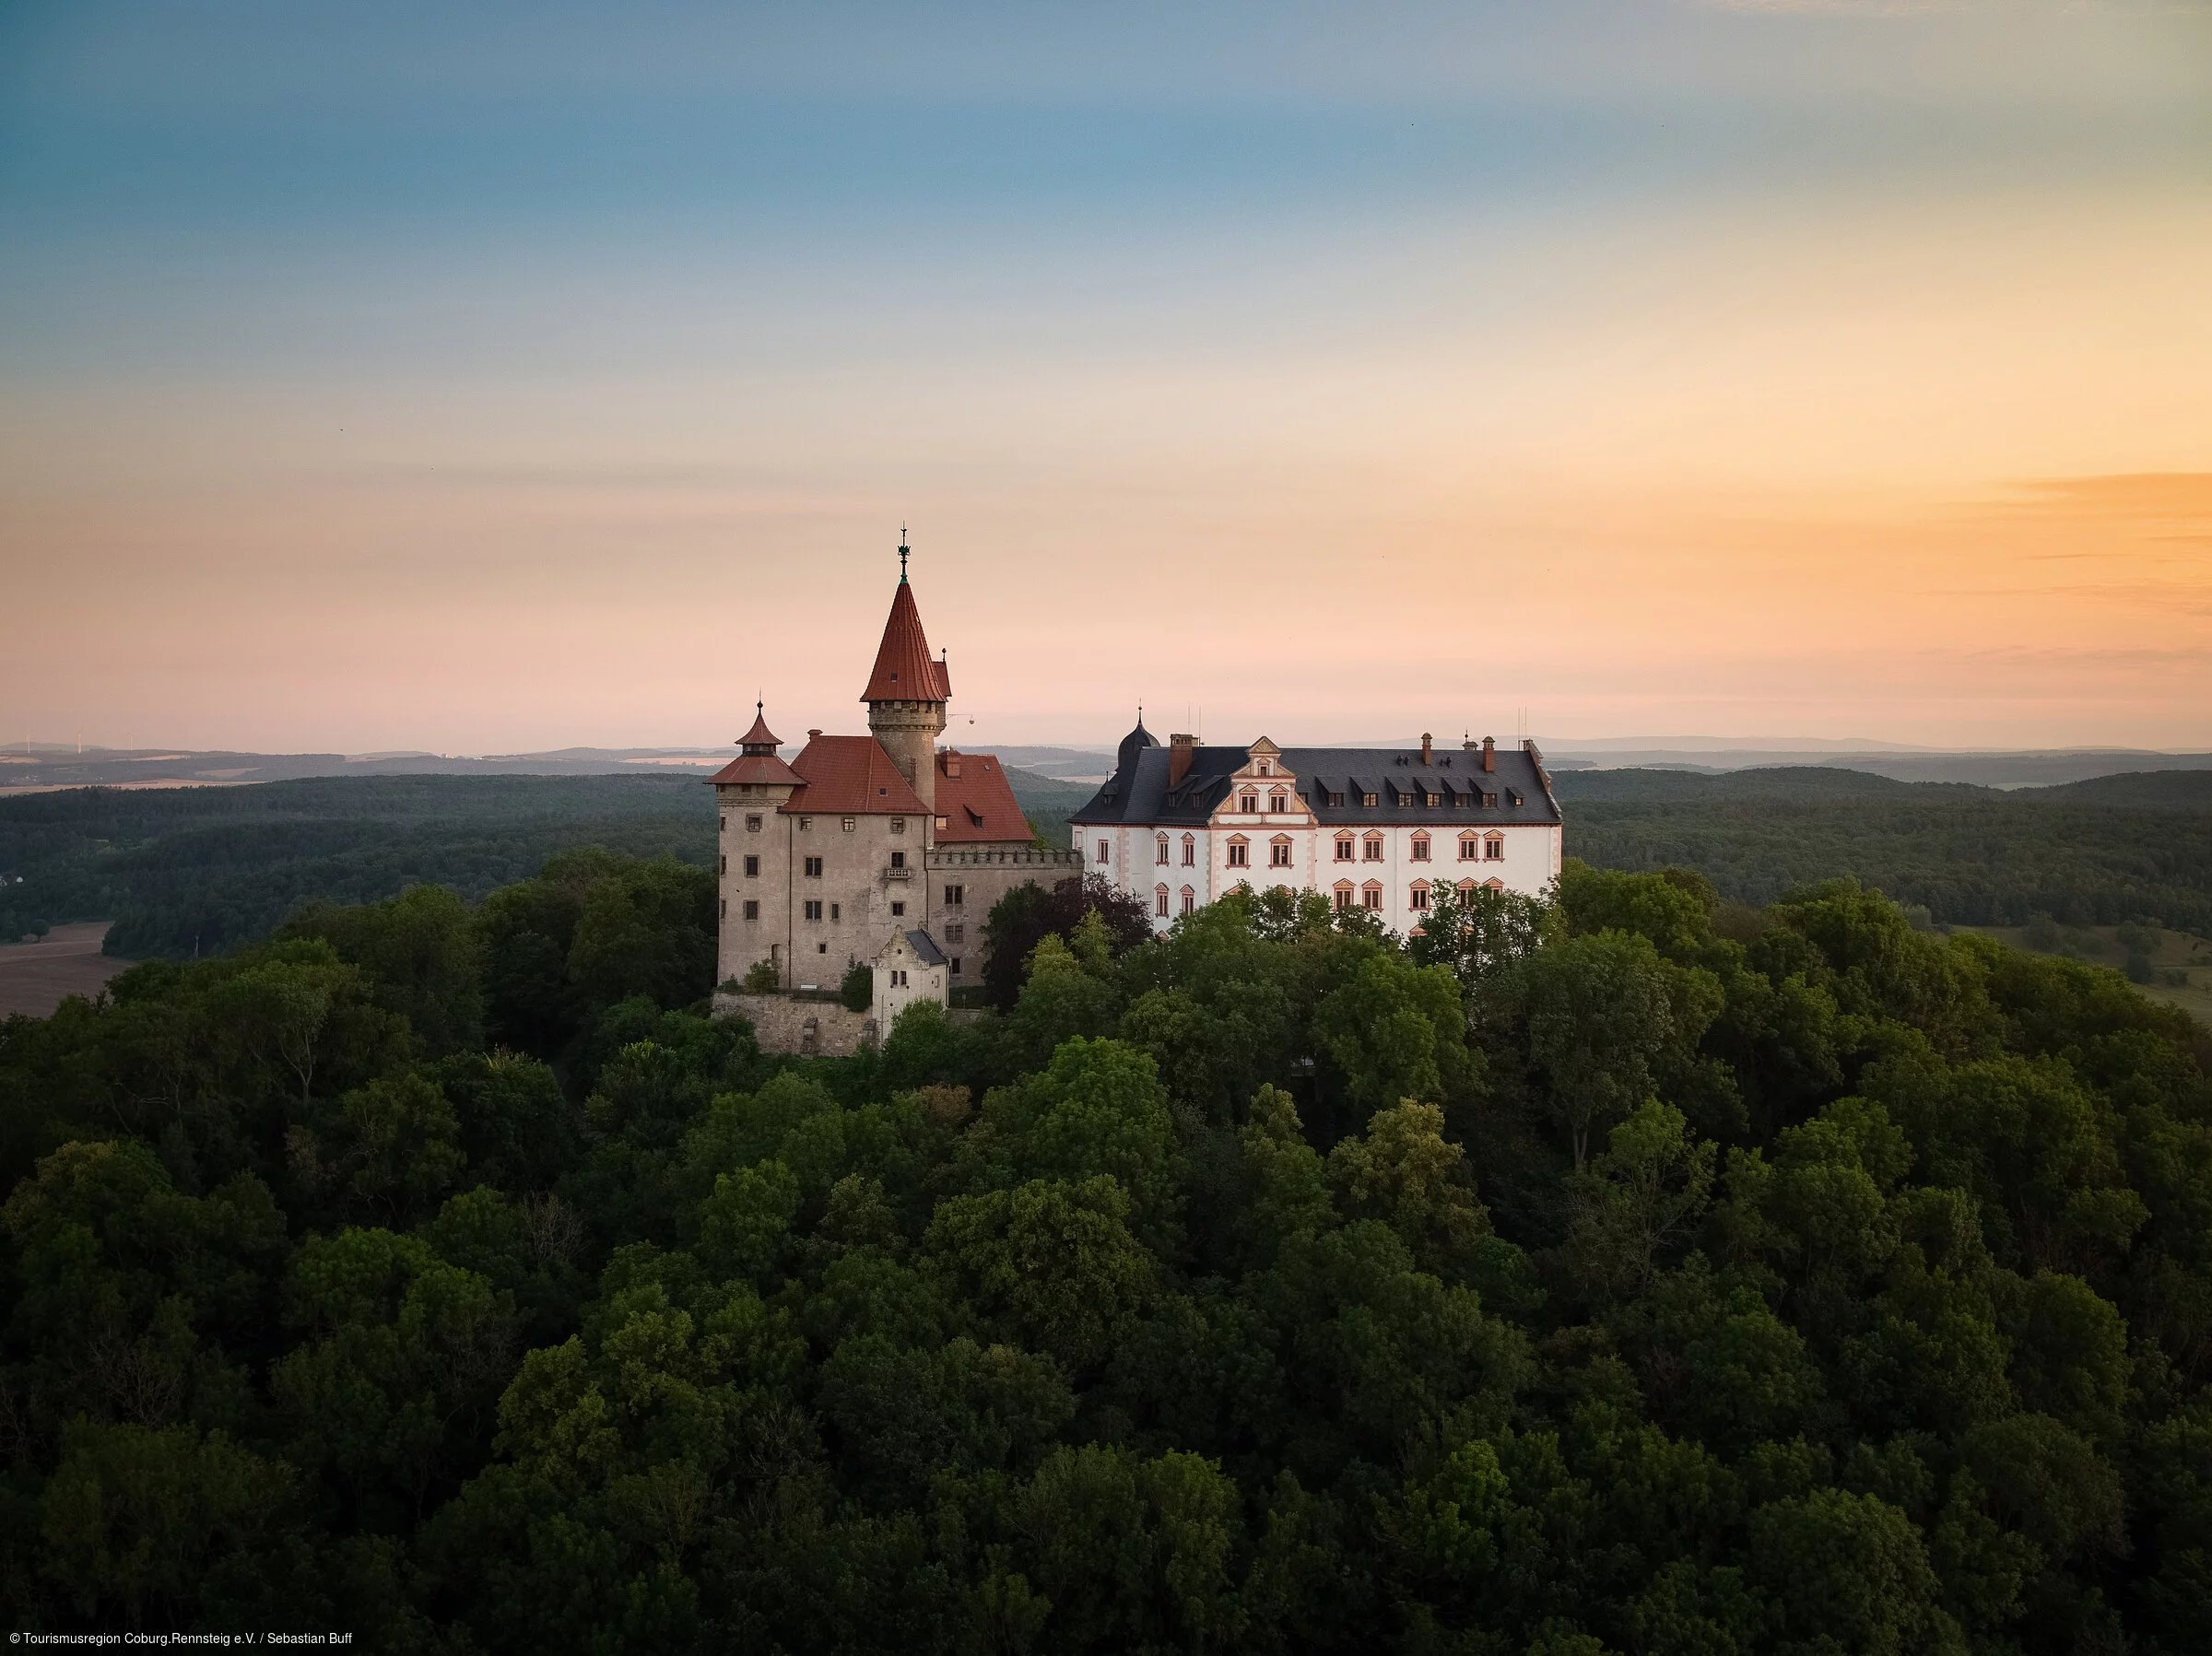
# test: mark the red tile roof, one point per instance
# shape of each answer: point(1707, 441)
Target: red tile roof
point(977, 805)
point(759, 736)
point(904, 671)
point(757, 768)
point(849, 776)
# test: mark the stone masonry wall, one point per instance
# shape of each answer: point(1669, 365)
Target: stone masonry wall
point(785, 1024)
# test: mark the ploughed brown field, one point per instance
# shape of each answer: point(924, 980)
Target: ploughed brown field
point(35, 978)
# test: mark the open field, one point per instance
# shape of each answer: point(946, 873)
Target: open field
point(35, 978)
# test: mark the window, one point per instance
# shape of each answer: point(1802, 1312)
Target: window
point(1344, 848)
point(724, 911)
point(897, 910)
point(1190, 850)
point(1493, 884)
point(814, 868)
point(1267, 769)
point(1160, 901)
point(1160, 851)
point(1370, 848)
point(1344, 896)
point(814, 907)
point(752, 910)
point(898, 977)
point(752, 868)
point(955, 896)
point(1368, 800)
point(821, 948)
point(724, 826)
point(1493, 847)
point(1371, 895)
point(1420, 848)
point(1278, 802)
point(1249, 803)
point(752, 825)
point(723, 866)
point(1420, 894)
point(849, 825)
point(955, 934)
point(898, 859)
point(1240, 852)
point(805, 825)
point(1105, 850)
point(940, 825)
point(898, 824)
point(834, 910)
point(1336, 798)
point(1278, 852)
point(1469, 848)
point(956, 966)
point(1190, 900)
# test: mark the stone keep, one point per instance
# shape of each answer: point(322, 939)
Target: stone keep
point(858, 840)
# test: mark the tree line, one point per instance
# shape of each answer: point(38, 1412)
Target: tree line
point(1627, 1273)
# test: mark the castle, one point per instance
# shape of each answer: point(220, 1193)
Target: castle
point(859, 841)
point(882, 849)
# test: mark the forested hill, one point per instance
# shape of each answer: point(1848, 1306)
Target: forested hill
point(2106, 852)
point(1645, 1276)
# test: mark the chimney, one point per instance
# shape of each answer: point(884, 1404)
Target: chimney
point(1489, 753)
point(1182, 750)
point(952, 765)
point(1425, 746)
point(814, 735)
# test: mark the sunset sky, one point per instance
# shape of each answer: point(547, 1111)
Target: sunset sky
point(482, 379)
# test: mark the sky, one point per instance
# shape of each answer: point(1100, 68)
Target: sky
point(493, 378)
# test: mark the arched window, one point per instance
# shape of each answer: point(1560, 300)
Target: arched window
point(1278, 852)
point(1160, 855)
point(1190, 850)
point(1370, 894)
point(1420, 848)
point(1420, 895)
point(1160, 895)
point(1239, 851)
point(1344, 896)
point(1493, 847)
point(1470, 845)
point(1344, 848)
point(1370, 848)
point(1190, 900)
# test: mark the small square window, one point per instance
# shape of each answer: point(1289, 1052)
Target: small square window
point(752, 868)
point(752, 825)
point(805, 825)
point(834, 910)
point(814, 868)
point(897, 910)
point(821, 948)
point(956, 966)
point(752, 910)
point(849, 825)
point(898, 824)
point(898, 859)
point(812, 910)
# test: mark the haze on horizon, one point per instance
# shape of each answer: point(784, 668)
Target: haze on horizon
point(492, 378)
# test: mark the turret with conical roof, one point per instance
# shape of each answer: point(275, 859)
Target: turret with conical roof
point(906, 694)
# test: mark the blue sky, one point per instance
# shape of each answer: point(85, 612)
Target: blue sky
point(483, 377)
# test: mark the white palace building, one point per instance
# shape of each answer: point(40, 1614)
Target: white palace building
point(1373, 828)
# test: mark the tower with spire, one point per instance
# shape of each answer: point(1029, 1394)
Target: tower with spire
point(859, 845)
point(907, 692)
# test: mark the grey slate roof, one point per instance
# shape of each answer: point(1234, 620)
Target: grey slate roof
point(1138, 792)
point(926, 946)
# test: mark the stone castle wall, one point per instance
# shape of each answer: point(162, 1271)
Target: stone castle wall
point(788, 1026)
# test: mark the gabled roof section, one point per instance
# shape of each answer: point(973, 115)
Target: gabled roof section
point(849, 776)
point(1465, 794)
point(977, 805)
point(904, 671)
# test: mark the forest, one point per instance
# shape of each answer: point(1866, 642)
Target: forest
point(1639, 1272)
point(203, 870)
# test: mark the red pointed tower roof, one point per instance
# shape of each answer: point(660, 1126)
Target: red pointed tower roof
point(758, 760)
point(904, 670)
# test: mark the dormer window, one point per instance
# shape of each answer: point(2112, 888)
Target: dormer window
point(1249, 803)
point(1267, 769)
point(1369, 800)
point(1277, 801)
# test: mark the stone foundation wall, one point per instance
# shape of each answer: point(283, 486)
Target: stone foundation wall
point(787, 1026)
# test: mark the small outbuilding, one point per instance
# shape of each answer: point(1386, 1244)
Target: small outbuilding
point(910, 968)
